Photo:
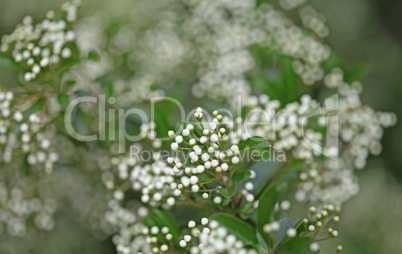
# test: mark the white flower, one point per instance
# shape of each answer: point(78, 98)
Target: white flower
point(174, 146)
point(191, 224)
point(204, 221)
point(185, 132)
point(203, 139)
point(179, 139)
point(314, 247)
point(214, 138)
point(291, 232)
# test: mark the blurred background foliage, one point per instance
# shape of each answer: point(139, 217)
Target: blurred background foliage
point(367, 36)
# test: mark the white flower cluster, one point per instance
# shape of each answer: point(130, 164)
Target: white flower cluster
point(18, 131)
point(210, 237)
point(225, 30)
point(157, 183)
point(291, 4)
point(38, 46)
point(145, 172)
point(287, 127)
point(15, 210)
point(132, 236)
point(206, 158)
point(359, 129)
point(215, 36)
point(314, 20)
point(321, 221)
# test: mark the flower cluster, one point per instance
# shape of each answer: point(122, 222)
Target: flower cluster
point(132, 236)
point(210, 237)
point(288, 127)
point(358, 129)
point(209, 157)
point(39, 46)
point(225, 54)
point(319, 222)
point(16, 209)
point(25, 132)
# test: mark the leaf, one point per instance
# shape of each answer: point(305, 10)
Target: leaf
point(242, 176)
point(285, 225)
point(67, 64)
point(266, 206)
point(331, 63)
point(289, 81)
point(180, 126)
point(254, 142)
point(298, 245)
point(264, 170)
point(93, 56)
point(37, 106)
point(68, 84)
point(296, 165)
point(239, 228)
point(357, 72)
point(267, 86)
point(205, 177)
point(63, 100)
point(161, 218)
point(229, 192)
point(7, 62)
point(262, 243)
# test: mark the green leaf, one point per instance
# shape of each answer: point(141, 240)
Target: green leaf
point(239, 228)
point(63, 101)
point(262, 243)
point(331, 63)
point(229, 192)
point(66, 65)
point(285, 225)
point(205, 177)
point(161, 218)
point(289, 81)
point(242, 176)
point(37, 106)
point(7, 62)
point(298, 245)
point(357, 72)
point(254, 142)
point(68, 84)
point(265, 85)
point(180, 126)
point(266, 207)
point(93, 56)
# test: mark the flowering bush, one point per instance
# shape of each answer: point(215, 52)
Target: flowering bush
point(268, 119)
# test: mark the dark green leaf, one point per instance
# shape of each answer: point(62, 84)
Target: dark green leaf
point(254, 142)
point(285, 225)
point(266, 207)
point(37, 106)
point(161, 218)
point(331, 63)
point(229, 192)
point(289, 81)
point(205, 177)
point(63, 101)
point(266, 86)
point(68, 84)
point(239, 228)
point(242, 176)
point(7, 62)
point(93, 56)
point(298, 245)
point(357, 72)
point(262, 243)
